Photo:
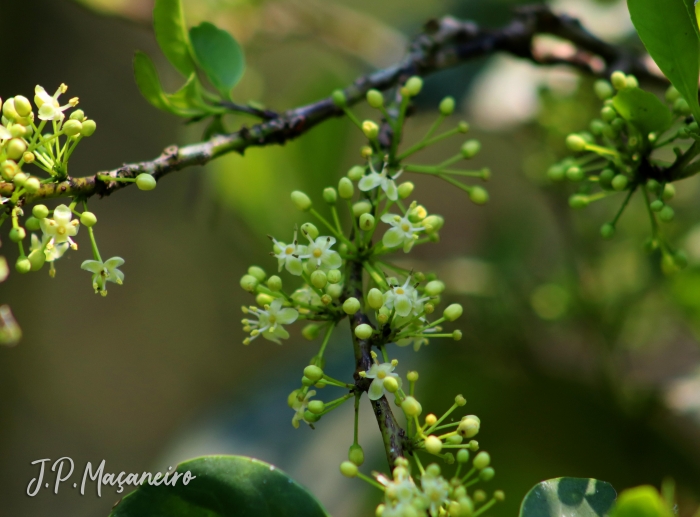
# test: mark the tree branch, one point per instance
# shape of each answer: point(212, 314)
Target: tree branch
point(445, 43)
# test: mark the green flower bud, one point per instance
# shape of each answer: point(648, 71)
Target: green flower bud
point(452, 312)
point(460, 400)
point(351, 305)
point(391, 384)
point(334, 290)
point(433, 444)
point(370, 129)
point(469, 426)
point(470, 148)
point(32, 185)
point(318, 279)
point(454, 440)
point(348, 469)
point(575, 143)
point(669, 191)
point(77, 115)
point(575, 173)
point(311, 417)
point(681, 106)
point(274, 283)
point(257, 272)
point(88, 219)
point(667, 214)
point(316, 407)
point(619, 182)
point(37, 258)
point(480, 496)
point(249, 282)
point(23, 265)
point(32, 224)
point(556, 172)
point(356, 455)
point(632, 82)
point(334, 276)
point(263, 299)
point(618, 124)
point(482, 460)
point(17, 234)
point(311, 331)
point(619, 80)
point(305, 381)
point(301, 200)
point(15, 148)
point(314, 373)
point(367, 222)
point(20, 179)
point(339, 98)
point(22, 106)
point(375, 98)
point(292, 398)
point(8, 109)
point(597, 127)
point(145, 181)
point(463, 456)
point(434, 288)
point(463, 127)
point(412, 376)
point(433, 224)
point(310, 230)
point(411, 406)
point(405, 189)
point(361, 207)
point(606, 176)
point(330, 196)
point(478, 195)
point(72, 127)
point(363, 331)
point(375, 298)
point(355, 174)
point(608, 114)
point(447, 106)
point(345, 188)
point(607, 231)
point(656, 205)
point(578, 201)
point(603, 89)
point(672, 95)
point(89, 127)
point(414, 85)
point(40, 211)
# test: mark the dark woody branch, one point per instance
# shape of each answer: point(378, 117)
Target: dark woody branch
point(445, 43)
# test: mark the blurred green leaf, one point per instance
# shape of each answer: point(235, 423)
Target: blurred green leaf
point(171, 34)
point(643, 109)
point(690, 6)
point(188, 99)
point(225, 486)
point(643, 501)
point(147, 81)
point(219, 55)
point(669, 35)
point(573, 497)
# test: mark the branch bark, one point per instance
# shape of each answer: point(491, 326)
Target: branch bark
point(445, 43)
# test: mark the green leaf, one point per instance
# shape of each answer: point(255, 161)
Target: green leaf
point(188, 100)
point(171, 34)
point(218, 55)
point(669, 35)
point(643, 109)
point(642, 501)
point(147, 81)
point(692, 10)
point(573, 497)
point(225, 486)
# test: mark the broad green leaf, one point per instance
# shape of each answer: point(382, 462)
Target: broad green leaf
point(642, 501)
point(218, 55)
point(572, 497)
point(147, 81)
point(643, 109)
point(692, 12)
point(171, 34)
point(669, 35)
point(225, 486)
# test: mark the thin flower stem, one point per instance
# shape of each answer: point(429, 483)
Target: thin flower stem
point(375, 275)
point(447, 413)
point(420, 465)
point(326, 339)
point(422, 145)
point(338, 227)
point(624, 205)
point(468, 474)
point(357, 419)
point(484, 508)
point(93, 243)
point(370, 481)
point(398, 128)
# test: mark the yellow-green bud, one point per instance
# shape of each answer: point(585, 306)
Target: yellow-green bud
point(318, 279)
point(88, 219)
point(434, 288)
point(452, 312)
point(391, 384)
point(672, 94)
point(28, 157)
point(249, 282)
point(311, 331)
point(316, 407)
point(356, 455)
point(8, 109)
point(470, 148)
point(145, 181)
point(310, 230)
point(482, 460)
point(454, 439)
point(632, 82)
point(575, 142)
point(20, 179)
point(460, 400)
point(355, 174)
point(405, 189)
point(361, 207)
point(339, 98)
point(32, 224)
point(77, 115)
point(429, 308)
point(17, 234)
point(367, 222)
point(23, 265)
point(603, 89)
point(619, 80)
point(15, 148)
point(375, 98)
point(667, 214)
point(305, 381)
point(22, 106)
point(487, 474)
point(89, 127)
point(478, 195)
point(72, 127)
point(433, 223)
point(363, 331)
point(345, 188)
point(414, 85)
point(499, 495)
point(457, 335)
point(433, 444)
point(40, 211)
point(330, 196)
point(375, 298)
point(274, 283)
point(411, 406)
point(412, 376)
point(263, 299)
point(334, 290)
point(311, 417)
point(334, 276)
point(620, 182)
point(313, 372)
point(351, 306)
point(447, 106)
point(257, 272)
point(463, 456)
point(37, 258)
point(301, 200)
point(469, 426)
point(32, 185)
point(669, 191)
point(370, 129)
point(348, 469)
point(463, 126)
point(480, 496)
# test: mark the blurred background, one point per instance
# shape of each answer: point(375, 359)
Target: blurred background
point(579, 356)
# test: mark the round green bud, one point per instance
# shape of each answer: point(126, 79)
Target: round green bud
point(334, 276)
point(412, 376)
point(311, 417)
point(597, 127)
point(37, 258)
point(578, 201)
point(305, 381)
point(405, 189)
point(452, 312)
point(370, 129)
point(355, 174)
point(672, 94)
point(575, 173)
point(608, 114)
point(77, 115)
point(619, 182)
point(20, 179)
point(367, 222)
point(334, 290)
point(89, 127)
point(480, 496)
point(460, 400)
point(667, 214)
point(301, 200)
point(351, 305)
point(575, 143)
point(293, 397)
point(257, 272)
point(22, 106)
point(463, 127)
point(681, 106)
point(361, 207)
point(339, 98)
point(391, 384)
point(434, 287)
point(310, 230)
point(316, 407)
point(603, 89)
point(433, 444)
point(72, 127)
point(249, 282)
point(487, 474)
point(40, 211)
point(473, 445)
point(311, 331)
point(478, 195)
point(463, 456)
point(375, 98)
point(411, 406)
point(145, 181)
point(619, 80)
point(356, 455)
point(23, 265)
point(32, 224)
point(669, 191)
point(607, 231)
point(15, 148)
point(348, 469)
point(375, 298)
point(433, 223)
point(274, 283)
point(482, 460)
point(606, 176)
point(414, 85)
point(32, 185)
point(457, 335)
point(469, 426)
point(556, 172)
point(454, 440)
point(89, 219)
point(363, 331)
point(653, 185)
point(618, 124)
point(499, 495)
point(470, 148)
point(263, 299)
point(656, 205)
point(319, 279)
point(17, 234)
point(330, 195)
point(632, 82)
point(447, 106)
point(345, 188)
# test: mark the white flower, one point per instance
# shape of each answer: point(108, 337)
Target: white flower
point(53, 253)
point(403, 232)
point(436, 491)
point(400, 494)
point(404, 299)
point(61, 228)
point(379, 372)
point(321, 255)
point(289, 255)
point(299, 407)
point(49, 108)
point(417, 327)
point(103, 272)
point(4, 133)
point(375, 179)
point(270, 321)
